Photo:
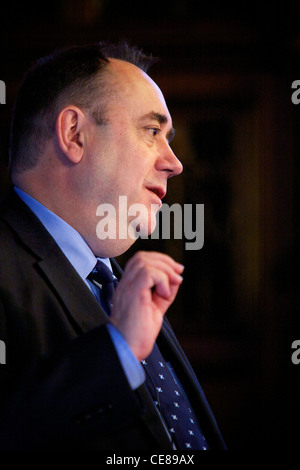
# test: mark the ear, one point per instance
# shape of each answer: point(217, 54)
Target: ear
point(69, 132)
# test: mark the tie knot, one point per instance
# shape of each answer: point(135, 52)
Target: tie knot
point(102, 274)
point(106, 281)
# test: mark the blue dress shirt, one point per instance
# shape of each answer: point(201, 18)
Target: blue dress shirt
point(83, 260)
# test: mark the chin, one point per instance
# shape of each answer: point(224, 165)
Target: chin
point(142, 228)
point(112, 248)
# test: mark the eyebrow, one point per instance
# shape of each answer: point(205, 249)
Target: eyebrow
point(161, 119)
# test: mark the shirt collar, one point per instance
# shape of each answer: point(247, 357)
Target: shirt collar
point(68, 239)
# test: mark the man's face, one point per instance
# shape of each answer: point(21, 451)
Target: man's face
point(130, 155)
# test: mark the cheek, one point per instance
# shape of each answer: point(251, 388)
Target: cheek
point(130, 179)
point(122, 167)
point(103, 174)
point(134, 161)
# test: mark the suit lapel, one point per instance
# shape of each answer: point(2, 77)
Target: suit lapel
point(81, 304)
point(83, 309)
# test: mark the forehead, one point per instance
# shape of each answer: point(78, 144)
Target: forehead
point(135, 92)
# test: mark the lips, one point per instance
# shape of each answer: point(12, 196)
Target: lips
point(158, 190)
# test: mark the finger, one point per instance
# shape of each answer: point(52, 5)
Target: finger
point(153, 262)
point(163, 303)
point(157, 256)
point(154, 256)
point(154, 271)
point(155, 280)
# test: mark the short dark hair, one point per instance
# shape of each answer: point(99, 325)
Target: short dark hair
point(73, 75)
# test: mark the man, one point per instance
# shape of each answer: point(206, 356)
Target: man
point(90, 126)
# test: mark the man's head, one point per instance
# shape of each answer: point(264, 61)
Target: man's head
point(74, 75)
point(89, 126)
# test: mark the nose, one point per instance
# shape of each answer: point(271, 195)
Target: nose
point(169, 162)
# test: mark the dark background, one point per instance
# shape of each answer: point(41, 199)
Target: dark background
point(226, 73)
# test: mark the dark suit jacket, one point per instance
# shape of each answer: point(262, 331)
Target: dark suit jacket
point(63, 386)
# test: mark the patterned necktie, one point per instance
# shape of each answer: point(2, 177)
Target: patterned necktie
point(165, 389)
point(107, 282)
point(171, 401)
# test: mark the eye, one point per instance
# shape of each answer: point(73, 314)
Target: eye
point(153, 131)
